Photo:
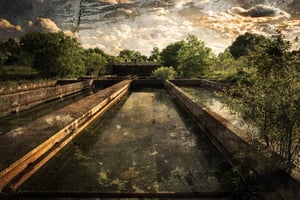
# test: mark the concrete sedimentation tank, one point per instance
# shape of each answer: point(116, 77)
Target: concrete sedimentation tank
point(39, 140)
point(158, 142)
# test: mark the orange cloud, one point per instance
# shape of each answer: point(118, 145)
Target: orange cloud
point(7, 26)
point(237, 20)
point(8, 30)
point(114, 1)
point(43, 24)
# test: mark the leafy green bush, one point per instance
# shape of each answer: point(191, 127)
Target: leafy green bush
point(164, 73)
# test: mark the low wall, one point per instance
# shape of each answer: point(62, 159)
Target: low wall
point(146, 83)
point(26, 99)
point(104, 83)
point(230, 141)
point(200, 82)
point(69, 81)
point(26, 87)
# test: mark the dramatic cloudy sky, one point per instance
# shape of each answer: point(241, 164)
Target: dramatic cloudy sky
point(113, 25)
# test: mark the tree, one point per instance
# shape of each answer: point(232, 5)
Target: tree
point(164, 73)
point(95, 64)
point(194, 57)
point(54, 54)
point(155, 55)
point(225, 62)
point(11, 51)
point(109, 59)
point(3, 58)
point(132, 56)
point(272, 102)
point(169, 55)
point(245, 43)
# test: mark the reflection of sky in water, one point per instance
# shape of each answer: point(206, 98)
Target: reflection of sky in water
point(145, 147)
point(209, 99)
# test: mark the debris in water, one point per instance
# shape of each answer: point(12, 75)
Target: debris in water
point(131, 173)
point(134, 163)
point(137, 189)
point(103, 175)
point(153, 153)
point(155, 186)
point(173, 134)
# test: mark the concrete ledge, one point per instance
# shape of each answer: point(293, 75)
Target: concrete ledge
point(26, 87)
point(200, 82)
point(146, 83)
point(25, 149)
point(23, 100)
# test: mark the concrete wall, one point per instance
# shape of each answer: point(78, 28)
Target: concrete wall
point(26, 87)
point(146, 83)
point(200, 82)
point(105, 83)
point(25, 99)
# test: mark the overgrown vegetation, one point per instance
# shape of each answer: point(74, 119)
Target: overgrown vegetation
point(51, 55)
point(271, 102)
point(164, 73)
point(265, 78)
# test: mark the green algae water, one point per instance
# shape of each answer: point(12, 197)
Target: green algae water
point(147, 144)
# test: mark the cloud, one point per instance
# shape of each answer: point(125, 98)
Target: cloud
point(7, 26)
point(236, 20)
point(126, 11)
point(260, 11)
point(43, 24)
point(8, 30)
point(46, 25)
point(156, 28)
point(114, 1)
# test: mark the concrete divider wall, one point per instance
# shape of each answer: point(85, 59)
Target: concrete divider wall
point(105, 83)
point(200, 82)
point(146, 83)
point(23, 100)
point(26, 87)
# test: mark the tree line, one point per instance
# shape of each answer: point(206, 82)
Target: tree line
point(55, 55)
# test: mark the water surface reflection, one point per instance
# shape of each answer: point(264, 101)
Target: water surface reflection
point(147, 145)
